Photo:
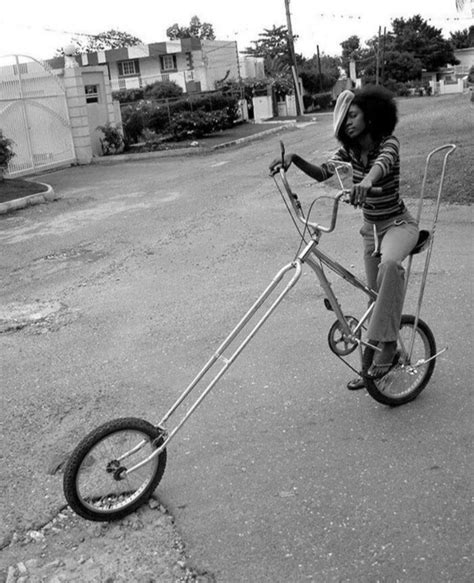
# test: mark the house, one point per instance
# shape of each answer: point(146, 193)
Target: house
point(452, 79)
point(193, 64)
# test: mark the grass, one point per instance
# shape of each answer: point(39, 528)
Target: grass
point(427, 123)
point(13, 188)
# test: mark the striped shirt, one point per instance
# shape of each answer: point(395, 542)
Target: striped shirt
point(386, 155)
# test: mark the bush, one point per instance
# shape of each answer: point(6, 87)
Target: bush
point(162, 90)
point(128, 95)
point(307, 102)
point(322, 100)
point(112, 143)
point(214, 102)
point(397, 87)
point(470, 78)
point(6, 152)
point(196, 124)
point(167, 117)
point(135, 118)
point(159, 119)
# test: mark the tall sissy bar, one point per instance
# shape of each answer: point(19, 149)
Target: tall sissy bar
point(426, 236)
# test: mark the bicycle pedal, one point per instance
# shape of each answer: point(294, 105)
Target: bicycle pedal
point(327, 305)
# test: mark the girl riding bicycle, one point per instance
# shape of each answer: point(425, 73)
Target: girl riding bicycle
point(363, 124)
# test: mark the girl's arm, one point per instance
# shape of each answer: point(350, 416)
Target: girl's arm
point(314, 171)
point(383, 165)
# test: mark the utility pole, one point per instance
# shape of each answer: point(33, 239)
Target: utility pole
point(377, 59)
point(382, 75)
point(319, 70)
point(291, 50)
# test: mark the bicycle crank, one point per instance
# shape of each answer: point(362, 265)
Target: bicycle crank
point(342, 343)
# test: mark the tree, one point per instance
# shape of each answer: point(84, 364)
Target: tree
point(424, 41)
point(352, 51)
point(399, 66)
point(110, 39)
point(313, 82)
point(272, 43)
point(411, 47)
point(196, 29)
point(463, 39)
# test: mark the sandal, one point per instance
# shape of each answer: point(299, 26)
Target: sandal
point(377, 371)
point(388, 356)
point(356, 384)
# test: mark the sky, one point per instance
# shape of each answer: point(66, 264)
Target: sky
point(37, 28)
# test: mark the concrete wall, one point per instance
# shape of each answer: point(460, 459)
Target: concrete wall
point(76, 101)
point(443, 88)
point(86, 117)
point(220, 61)
point(262, 108)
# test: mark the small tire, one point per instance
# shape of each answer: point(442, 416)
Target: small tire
point(407, 378)
point(95, 483)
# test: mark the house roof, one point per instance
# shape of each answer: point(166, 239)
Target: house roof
point(184, 45)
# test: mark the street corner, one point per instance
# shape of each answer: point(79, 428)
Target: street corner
point(22, 202)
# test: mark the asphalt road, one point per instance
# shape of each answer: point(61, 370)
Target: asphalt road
point(137, 273)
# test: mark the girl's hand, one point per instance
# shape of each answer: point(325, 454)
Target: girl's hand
point(359, 193)
point(278, 163)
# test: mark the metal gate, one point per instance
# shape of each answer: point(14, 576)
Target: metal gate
point(34, 114)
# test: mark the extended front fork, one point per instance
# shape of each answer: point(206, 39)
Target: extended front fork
point(307, 255)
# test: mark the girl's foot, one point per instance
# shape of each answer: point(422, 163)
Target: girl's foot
point(356, 384)
point(383, 359)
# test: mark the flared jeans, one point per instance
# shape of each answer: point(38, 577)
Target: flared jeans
point(384, 251)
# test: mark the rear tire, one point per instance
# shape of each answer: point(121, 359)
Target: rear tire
point(94, 483)
point(405, 381)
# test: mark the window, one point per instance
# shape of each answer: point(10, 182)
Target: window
point(128, 68)
point(92, 93)
point(168, 63)
point(21, 68)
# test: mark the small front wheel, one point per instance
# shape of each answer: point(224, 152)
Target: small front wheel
point(96, 482)
point(412, 369)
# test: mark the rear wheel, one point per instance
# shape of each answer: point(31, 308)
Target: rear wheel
point(96, 483)
point(411, 372)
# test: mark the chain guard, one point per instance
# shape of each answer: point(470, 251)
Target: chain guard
point(339, 342)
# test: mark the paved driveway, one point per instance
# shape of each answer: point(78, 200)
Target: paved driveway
point(282, 475)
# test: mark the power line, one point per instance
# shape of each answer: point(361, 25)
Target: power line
point(361, 17)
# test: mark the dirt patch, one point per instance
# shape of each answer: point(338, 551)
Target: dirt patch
point(145, 547)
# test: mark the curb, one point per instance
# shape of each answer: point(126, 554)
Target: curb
point(191, 151)
point(38, 198)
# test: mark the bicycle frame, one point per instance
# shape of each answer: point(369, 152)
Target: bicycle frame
point(316, 259)
point(310, 255)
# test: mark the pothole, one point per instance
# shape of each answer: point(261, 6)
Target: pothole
point(16, 316)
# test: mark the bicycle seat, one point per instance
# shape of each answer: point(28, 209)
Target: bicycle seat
point(423, 241)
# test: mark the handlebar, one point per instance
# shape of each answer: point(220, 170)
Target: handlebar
point(339, 168)
point(298, 209)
